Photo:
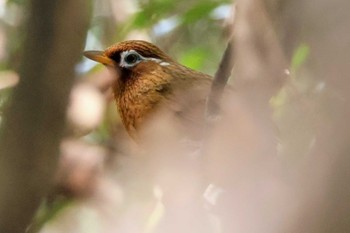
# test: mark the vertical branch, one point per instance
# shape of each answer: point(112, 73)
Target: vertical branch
point(34, 122)
point(243, 145)
point(221, 77)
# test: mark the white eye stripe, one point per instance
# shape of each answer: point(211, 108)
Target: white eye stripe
point(163, 63)
point(125, 64)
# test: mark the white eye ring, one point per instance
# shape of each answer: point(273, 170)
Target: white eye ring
point(130, 58)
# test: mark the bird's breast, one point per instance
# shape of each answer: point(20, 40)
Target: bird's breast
point(135, 105)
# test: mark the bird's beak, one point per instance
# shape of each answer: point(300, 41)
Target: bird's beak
point(100, 57)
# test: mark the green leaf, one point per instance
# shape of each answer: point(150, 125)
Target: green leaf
point(194, 58)
point(300, 56)
point(152, 12)
point(141, 20)
point(19, 2)
point(199, 11)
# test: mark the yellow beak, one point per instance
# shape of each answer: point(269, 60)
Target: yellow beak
point(100, 57)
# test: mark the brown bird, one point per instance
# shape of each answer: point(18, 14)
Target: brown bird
point(150, 81)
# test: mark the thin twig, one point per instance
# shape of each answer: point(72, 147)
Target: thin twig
point(220, 80)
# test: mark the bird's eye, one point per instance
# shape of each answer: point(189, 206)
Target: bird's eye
point(131, 58)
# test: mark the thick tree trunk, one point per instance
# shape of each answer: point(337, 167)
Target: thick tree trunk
point(34, 123)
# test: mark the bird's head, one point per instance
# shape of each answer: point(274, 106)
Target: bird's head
point(142, 77)
point(131, 58)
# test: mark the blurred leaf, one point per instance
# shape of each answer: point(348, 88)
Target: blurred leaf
point(19, 2)
point(279, 99)
point(156, 10)
point(155, 217)
point(277, 102)
point(48, 211)
point(194, 58)
point(198, 12)
point(140, 20)
point(300, 56)
point(152, 12)
point(8, 79)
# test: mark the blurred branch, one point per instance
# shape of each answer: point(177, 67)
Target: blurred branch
point(260, 64)
point(327, 165)
point(221, 77)
point(34, 121)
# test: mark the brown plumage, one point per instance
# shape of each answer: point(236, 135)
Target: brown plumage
point(150, 81)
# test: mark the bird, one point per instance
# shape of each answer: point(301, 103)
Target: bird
point(150, 81)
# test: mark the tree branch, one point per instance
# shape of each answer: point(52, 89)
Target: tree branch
point(33, 125)
point(221, 77)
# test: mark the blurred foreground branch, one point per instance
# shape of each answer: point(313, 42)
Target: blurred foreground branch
point(34, 122)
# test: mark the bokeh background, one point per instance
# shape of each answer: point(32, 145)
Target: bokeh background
point(276, 160)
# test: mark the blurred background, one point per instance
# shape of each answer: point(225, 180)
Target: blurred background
point(276, 160)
